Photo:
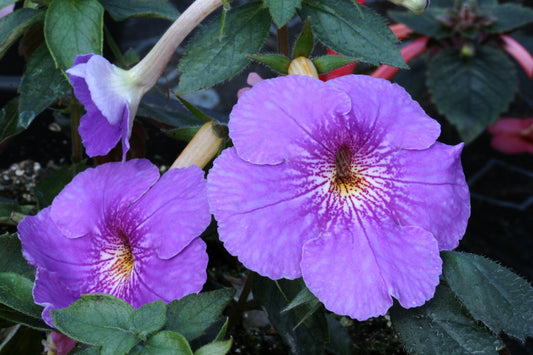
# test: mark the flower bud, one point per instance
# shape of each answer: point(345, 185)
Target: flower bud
point(303, 66)
point(415, 6)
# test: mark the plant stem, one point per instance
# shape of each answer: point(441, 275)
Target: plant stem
point(283, 41)
point(239, 307)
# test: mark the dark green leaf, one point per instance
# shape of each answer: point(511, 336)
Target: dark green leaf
point(210, 60)
point(194, 110)
point(222, 332)
point(21, 318)
point(276, 62)
point(426, 24)
point(11, 259)
point(72, 28)
point(339, 25)
point(303, 297)
point(12, 26)
point(164, 343)
point(509, 17)
point(308, 338)
point(98, 319)
point(483, 86)
point(193, 314)
point(499, 298)
point(327, 63)
point(9, 120)
point(50, 185)
point(122, 9)
point(442, 326)
point(215, 348)
point(340, 342)
point(184, 134)
point(167, 115)
point(148, 319)
point(42, 84)
point(4, 3)
point(305, 42)
point(16, 292)
point(282, 10)
point(22, 340)
point(11, 211)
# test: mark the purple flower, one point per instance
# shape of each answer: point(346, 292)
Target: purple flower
point(343, 183)
point(111, 97)
point(123, 230)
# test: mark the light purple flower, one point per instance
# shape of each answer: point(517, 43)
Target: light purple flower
point(343, 183)
point(111, 96)
point(123, 230)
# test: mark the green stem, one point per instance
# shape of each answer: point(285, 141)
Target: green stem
point(283, 41)
point(239, 307)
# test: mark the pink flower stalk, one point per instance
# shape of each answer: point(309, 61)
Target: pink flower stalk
point(112, 95)
point(519, 53)
point(512, 135)
point(335, 73)
point(341, 183)
point(409, 52)
point(401, 31)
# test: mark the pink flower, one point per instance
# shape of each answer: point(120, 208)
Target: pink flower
point(512, 135)
point(519, 53)
point(253, 78)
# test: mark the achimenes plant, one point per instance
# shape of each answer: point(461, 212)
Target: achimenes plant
point(466, 44)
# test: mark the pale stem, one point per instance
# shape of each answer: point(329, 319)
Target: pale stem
point(203, 147)
point(150, 68)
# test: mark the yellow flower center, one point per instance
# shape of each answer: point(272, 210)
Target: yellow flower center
point(347, 181)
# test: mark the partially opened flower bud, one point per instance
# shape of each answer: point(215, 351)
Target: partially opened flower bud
point(303, 66)
point(415, 6)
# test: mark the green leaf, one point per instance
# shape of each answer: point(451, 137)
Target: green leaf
point(16, 292)
point(483, 86)
point(328, 63)
point(11, 259)
point(42, 84)
point(164, 343)
point(122, 9)
point(50, 185)
point(222, 332)
point(193, 314)
point(194, 110)
point(308, 338)
point(210, 60)
point(12, 26)
point(167, 115)
point(442, 326)
point(21, 318)
point(148, 319)
point(303, 297)
point(9, 120)
point(184, 134)
point(215, 348)
point(494, 295)
point(73, 27)
point(276, 62)
point(340, 26)
point(98, 319)
point(22, 340)
point(339, 339)
point(427, 24)
point(305, 42)
point(11, 211)
point(282, 10)
point(4, 3)
point(509, 17)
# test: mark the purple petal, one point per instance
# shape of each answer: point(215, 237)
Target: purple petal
point(98, 136)
point(108, 88)
point(260, 216)
point(436, 195)
point(287, 108)
point(51, 293)
point(388, 112)
point(170, 279)
point(355, 271)
point(95, 194)
point(173, 212)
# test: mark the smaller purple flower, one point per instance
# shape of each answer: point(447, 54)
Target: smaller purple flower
point(111, 96)
point(123, 230)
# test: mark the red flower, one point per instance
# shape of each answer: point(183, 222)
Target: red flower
point(512, 135)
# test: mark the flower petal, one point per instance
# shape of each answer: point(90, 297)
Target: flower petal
point(435, 193)
point(173, 212)
point(355, 271)
point(109, 88)
point(260, 216)
point(170, 279)
point(98, 136)
point(99, 193)
point(388, 111)
point(262, 113)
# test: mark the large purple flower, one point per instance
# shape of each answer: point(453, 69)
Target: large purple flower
point(343, 183)
point(111, 97)
point(123, 230)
